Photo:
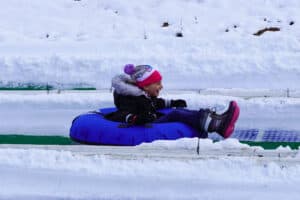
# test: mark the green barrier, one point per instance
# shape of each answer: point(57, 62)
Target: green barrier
point(27, 88)
point(89, 88)
point(35, 88)
point(32, 139)
point(273, 145)
point(61, 140)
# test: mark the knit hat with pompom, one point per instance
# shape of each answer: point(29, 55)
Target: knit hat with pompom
point(143, 75)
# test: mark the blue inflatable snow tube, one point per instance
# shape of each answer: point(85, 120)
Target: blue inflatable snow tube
point(93, 128)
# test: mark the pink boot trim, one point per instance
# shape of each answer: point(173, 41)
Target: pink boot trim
point(235, 116)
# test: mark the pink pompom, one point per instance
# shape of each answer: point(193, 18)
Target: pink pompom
point(129, 69)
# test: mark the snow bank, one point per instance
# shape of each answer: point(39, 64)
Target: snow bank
point(65, 43)
point(190, 143)
point(51, 174)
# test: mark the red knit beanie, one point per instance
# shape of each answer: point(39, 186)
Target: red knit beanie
point(143, 75)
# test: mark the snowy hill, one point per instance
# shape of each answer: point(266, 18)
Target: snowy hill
point(67, 42)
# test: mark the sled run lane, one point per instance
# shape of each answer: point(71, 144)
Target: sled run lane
point(106, 172)
point(156, 152)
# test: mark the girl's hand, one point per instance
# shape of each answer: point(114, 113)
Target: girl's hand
point(179, 103)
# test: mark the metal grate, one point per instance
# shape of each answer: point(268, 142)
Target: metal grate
point(271, 135)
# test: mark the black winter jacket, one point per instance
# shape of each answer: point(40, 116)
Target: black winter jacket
point(131, 100)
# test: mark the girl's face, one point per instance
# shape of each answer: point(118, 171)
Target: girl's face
point(153, 89)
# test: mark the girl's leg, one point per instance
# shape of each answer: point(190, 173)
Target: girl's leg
point(205, 120)
point(195, 119)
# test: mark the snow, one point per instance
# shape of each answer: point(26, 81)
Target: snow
point(66, 175)
point(87, 42)
point(39, 113)
point(67, 44)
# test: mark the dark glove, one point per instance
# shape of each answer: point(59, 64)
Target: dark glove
point(141, 118)
point(178, 103)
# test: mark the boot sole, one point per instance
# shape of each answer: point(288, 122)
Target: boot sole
point(234, 118)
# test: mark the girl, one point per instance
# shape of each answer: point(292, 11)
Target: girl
point(136, 98)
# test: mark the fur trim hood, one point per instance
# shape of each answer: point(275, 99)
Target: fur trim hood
point(124, 85)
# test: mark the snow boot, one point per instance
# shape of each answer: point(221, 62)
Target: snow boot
point(223, 124)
